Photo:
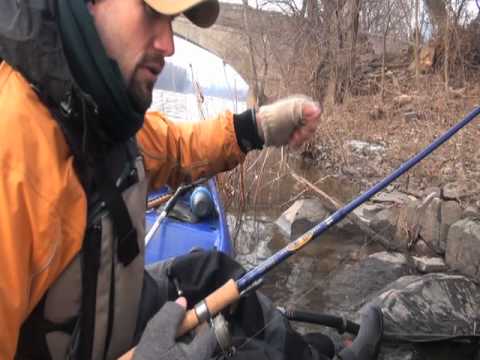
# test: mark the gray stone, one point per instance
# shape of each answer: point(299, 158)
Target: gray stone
point(450, 213)
point(428, 265)
point(471, 211)
point(431, 225)
point(385, 222)
point(311, 210)
point(421, 248)
point(453, 191)
point(368, 211)
point(364, 148)
point(306, 213)
point(395, 197)
point(407, 225)
point(415, 307)
point(410, 116)
point(463, 247)
point(354, 284)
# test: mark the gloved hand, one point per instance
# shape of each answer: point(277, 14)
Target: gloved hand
point(158, 340)
point(292, 121)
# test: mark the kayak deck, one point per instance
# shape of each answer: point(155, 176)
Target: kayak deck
point(177, 235)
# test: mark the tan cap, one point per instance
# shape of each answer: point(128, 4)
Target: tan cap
point(202, 13)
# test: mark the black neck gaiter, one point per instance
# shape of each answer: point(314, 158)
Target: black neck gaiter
point(95, 73)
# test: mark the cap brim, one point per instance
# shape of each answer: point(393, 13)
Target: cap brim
point(202, 13)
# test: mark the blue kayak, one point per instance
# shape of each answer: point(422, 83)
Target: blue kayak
point(181, 231)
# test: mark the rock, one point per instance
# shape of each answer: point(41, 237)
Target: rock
point(463, 247)
point(422, 249)
point(410, 116)
point(364, 148)
point(407, 225)
point(385, 222)
point(368, 211)
point(470, 211)
point(429, 265)
point(395, 197)
point(301, 275)
point(450, 213)
point(306, 213)
point(419, 306)
point(403, 99)
point(355, 283)
point(453, 191)
point(430, 221)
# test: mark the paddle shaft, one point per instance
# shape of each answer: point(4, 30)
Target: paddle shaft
point(158, 201)
point(228, 294)
point(172, 200)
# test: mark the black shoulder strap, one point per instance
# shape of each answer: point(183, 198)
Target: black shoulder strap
point(94, 171)
point(127, 235)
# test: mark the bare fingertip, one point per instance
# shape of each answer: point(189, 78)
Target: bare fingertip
point(182, 302)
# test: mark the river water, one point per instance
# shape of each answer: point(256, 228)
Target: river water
point(300, 282)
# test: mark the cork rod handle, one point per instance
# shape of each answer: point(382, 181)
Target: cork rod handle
point(216, 302)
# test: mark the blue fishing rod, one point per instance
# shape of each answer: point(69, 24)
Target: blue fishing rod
point(232, 289)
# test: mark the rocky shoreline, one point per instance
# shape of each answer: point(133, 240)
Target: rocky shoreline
point(427, 283)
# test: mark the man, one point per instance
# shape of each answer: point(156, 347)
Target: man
point(78, 155)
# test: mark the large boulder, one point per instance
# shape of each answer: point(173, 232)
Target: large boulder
point(306, 213)
point(463, 247)
point(419, 308)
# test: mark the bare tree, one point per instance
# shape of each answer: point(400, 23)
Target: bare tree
point(437, 10)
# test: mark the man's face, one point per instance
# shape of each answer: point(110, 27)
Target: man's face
point(138, 39)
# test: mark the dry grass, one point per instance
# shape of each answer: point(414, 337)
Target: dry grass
point(264, 180)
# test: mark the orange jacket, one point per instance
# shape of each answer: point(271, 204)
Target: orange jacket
point(43, 205)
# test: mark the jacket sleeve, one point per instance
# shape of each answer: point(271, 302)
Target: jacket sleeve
point(27, 248)
point(15, 277)
point(181, 152)
point(36, 244)
point(42, 205)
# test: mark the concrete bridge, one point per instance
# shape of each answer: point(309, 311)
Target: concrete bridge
point(227, 39)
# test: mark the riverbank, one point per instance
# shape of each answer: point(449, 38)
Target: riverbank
point(436, 203)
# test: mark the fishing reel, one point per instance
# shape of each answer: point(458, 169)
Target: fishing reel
point(220, 326)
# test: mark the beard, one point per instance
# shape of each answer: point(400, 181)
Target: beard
point(143, 81)
point(141, 94)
